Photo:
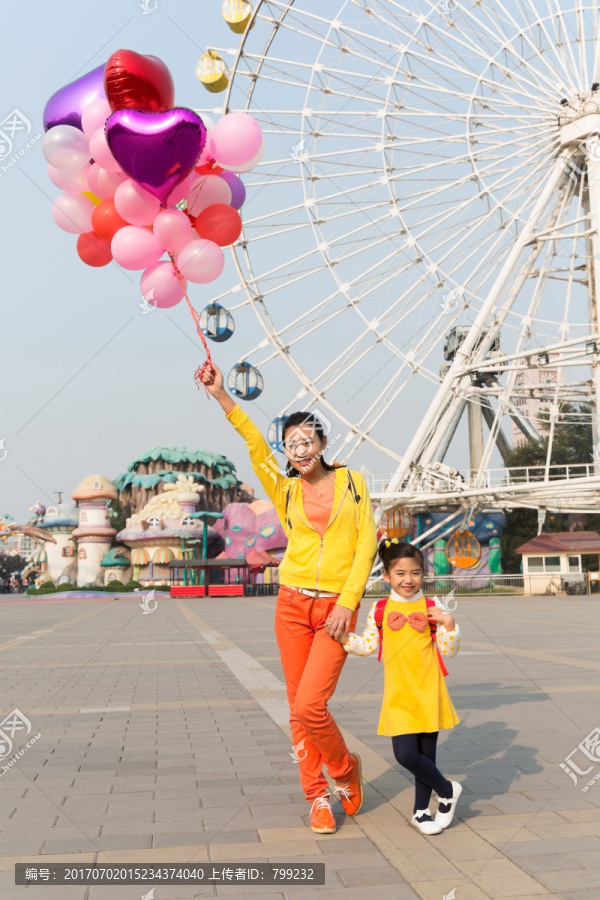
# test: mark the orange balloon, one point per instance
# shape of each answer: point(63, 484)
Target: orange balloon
point(219, 223)
point(93, 250)
point(106, 221)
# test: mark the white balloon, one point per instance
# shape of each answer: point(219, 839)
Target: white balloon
point(66, 147)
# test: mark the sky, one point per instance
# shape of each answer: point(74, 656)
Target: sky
point(88, 382)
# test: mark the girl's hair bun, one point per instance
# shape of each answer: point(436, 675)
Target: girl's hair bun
point(390, 549)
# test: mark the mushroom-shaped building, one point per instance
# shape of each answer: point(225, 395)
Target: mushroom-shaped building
point(167, 528)
point(149, 474)
point(61, 557)
point(94, 534)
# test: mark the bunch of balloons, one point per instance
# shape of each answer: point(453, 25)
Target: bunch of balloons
point(144, 179)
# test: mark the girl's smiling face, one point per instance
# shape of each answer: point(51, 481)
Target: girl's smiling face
point(405, 576)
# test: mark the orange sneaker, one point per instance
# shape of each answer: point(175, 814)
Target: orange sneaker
point(351, 793)
point(321, 817)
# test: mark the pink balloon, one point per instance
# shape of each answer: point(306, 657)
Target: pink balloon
point(172, 229)
point(103, 183)
point(73, 213)
point(94, 116)
point(245, 167)
point(134, 247)
point(135, 204)
point(180, 191)
point(160, 286)
point(236, 139)
point(208, 153)
point(71, 180)
point(205, 191)
point(201, 261)
point(100, 151)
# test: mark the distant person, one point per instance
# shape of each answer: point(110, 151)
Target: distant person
point(327, 515)
point(414, 634)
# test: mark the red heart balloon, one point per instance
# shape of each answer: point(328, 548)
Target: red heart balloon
point(133, 81)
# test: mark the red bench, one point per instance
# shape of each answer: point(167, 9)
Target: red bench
point(226, 590)
point(188, 590)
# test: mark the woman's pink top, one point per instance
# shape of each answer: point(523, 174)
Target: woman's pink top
point(318, 505)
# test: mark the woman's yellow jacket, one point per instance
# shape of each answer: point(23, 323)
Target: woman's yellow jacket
point(342, 559)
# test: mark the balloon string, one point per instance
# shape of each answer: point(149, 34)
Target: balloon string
point(208, 363)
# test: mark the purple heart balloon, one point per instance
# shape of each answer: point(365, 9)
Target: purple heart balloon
point(66, 106)
point(156, 149)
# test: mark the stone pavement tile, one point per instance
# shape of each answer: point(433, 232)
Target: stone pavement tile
point(580, 895)
point(591, 814)
point(502, 878)
point(481, 823)
point(175, 838)
point(567, 829)
point(27, 847)
point(276, 809)
point(350, 831)
point(58, 892)
point(581, 880)
point(502, 836)
point(427, 890)
point(461, 845)
point(550, 863)
point(515, 849)
point(370, 878)
point(434, 861)
point(332, 844)
point(263, 851)
point(590, 858)
point(384, 892)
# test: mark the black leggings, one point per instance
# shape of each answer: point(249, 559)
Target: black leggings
point(416, 752)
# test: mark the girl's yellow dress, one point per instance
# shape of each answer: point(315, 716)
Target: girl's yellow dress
point(415, 696)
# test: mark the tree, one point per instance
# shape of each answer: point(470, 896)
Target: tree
point(572, 445)
point(115, 512)
point(9, 565)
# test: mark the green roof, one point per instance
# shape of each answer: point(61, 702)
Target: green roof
point(114, 557)
point(224, 469)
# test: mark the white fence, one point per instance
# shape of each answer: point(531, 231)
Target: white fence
point(493, 585)
point(491, 478)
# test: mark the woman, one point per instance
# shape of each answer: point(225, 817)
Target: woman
point(327, 516)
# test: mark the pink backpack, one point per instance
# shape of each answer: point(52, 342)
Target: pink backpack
point(379, 612)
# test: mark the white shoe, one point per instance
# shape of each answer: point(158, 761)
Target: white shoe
point(444, 817)
point(424, 821)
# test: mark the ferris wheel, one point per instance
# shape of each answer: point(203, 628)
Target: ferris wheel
point(423, 253)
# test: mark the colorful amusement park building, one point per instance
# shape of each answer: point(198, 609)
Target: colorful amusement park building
point(177, 503)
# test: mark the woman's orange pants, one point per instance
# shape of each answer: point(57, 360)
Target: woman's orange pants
point(312, 662)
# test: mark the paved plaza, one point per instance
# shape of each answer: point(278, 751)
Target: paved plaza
point(163, 739)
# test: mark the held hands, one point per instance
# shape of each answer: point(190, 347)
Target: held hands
point(338, 623)
point(441, 618)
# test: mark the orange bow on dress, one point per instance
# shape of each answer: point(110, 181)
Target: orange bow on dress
point(416, 620)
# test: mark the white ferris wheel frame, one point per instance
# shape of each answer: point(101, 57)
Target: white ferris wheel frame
point(419, 480)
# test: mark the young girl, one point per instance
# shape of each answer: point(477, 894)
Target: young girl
point(416, 703)
point(327, 516)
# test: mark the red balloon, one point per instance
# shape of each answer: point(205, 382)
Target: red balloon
point(209, 169)
point(219, 223)
point(106, 221)
point(93, 250)
point(133, 81)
